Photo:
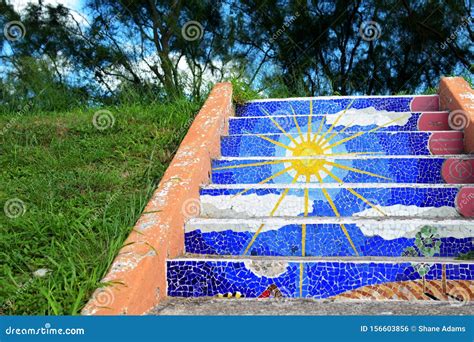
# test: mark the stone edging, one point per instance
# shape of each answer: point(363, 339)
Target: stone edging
point(137, 276)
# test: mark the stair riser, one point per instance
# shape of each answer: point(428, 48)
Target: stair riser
point(338, 104)
point(397, 143)
point(322, 239)
point(319, 279)
point(408, 122)
point(404, 201)
point(399, 170)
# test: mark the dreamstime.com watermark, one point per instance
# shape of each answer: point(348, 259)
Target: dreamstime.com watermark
point(19, 114)
point(464, 23)
point(46, 330)
point(192, 30)
point(14, 208)
point(283, 28)
point(21, 288)
point(103, 119)
point(14, 31)
point(370, 30)
point(101, 211)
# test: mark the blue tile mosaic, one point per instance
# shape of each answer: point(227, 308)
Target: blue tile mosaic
point(288, 148)
point(320, 240)
point(396, 143)
point(324, 106)
point(400, 170)
point(347, 203)
point(287, 123)
point(321, 279)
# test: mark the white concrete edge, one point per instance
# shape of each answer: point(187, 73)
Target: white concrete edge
point(333, 186)
point(327, 219)
point(348, 133)
point(356, 260)
point(340, 98)
point(321, 115)
point(353, 157)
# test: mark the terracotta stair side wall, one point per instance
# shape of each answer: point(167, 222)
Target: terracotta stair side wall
point(137, 276)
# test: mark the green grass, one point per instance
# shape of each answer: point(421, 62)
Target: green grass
point(83, 189)
point(242, 92)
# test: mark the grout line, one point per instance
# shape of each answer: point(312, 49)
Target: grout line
point(347, 132)
point(350, 157)
point(340, 98)
point(292, 259)
point(334, 186)
point(434, 112)
point(328, 219)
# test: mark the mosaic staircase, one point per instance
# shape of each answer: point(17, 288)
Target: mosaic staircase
point(342, 198)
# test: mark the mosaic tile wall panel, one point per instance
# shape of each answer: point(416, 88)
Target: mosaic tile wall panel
point(390, 121)
point(392, 239)
point(320, 279)
point(373, 170)
point(426, 201)
point(317, 148)
point(331, 106)
point(396, 143)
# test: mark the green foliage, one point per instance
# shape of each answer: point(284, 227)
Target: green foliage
point(430, 91)
point(34, 85)
point(422, 269)
point(293, 49)
point(242, 92)
point(427, 241)
point(466, 256)
point(410, 252)
point(427, 244)
point(83, 190)
point(325, 47)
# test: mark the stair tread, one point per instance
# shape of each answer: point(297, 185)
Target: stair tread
point(387, 143)
point(341, 97)
point(352, 121)
point(306, 307)
point(335, 104)
point(352, 259)
point(360, 169)
point(327, 219)
point(329, 114)
point(346, 132)
point(334, 186)
point(351, 156)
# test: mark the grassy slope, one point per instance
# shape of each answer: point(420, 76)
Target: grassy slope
point(83, 190)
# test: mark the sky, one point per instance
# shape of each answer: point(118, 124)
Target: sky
point(73, 4)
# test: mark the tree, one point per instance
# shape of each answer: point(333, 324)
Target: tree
point(280, 47)
point(358, 47)
point(148, 42)
point(427, 244)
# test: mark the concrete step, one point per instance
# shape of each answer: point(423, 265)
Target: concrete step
point(328, 236)
point(348, 169)
point(333, 199)
point(385, 143)
point(336, 104)
point(309, 307)
point(353, 120)
point(263, 277)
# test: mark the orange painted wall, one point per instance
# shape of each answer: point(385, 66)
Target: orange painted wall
point(457, 97)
